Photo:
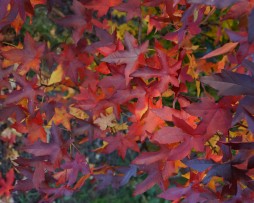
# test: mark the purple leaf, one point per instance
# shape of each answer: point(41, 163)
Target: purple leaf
point(230, 83)
point(199, 164)
point(250, 27)
point(217, 3)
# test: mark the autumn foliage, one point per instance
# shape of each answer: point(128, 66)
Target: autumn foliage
point(165, 85)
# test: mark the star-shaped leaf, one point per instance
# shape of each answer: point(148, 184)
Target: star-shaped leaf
point(28, 57)
point(128, 57)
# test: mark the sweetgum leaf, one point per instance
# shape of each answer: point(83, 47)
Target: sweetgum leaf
point(128, 57)
point(240, 145)
point(250, 163)
point(132, 9)
point(102, 6)
point(249, 65)
point(251, 26)
point(199, 164)
point(230, 83)
point(154, 177)
point(128, 173)
point(174, 193)
point(245, 110)
point(222, 50)
point(215, 116)
point(217, 3)
point(29, 57)
point(6, 184)
point(79, 21)
point(169, 135)
point(221, 170)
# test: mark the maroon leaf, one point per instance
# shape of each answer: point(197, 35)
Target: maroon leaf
point(78, 164)
point(154, 177)
point(174, 193)
point(79, 21)
point(240, 145)
point(106, 40)
point(250, 163)
point(28, 92)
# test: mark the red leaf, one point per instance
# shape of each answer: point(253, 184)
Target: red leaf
point(169, 135)
point(102, 6)
point(29, 57)
point(167, 73)
point(6, 184)
point(146, 158)
point(129, 57)
point(215, 117)
point(120, 143)
point(35, 129)
point(132, 9)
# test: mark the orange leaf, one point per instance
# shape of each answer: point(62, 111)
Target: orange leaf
point(81, 181)
point(62, 117)
point(222, 50)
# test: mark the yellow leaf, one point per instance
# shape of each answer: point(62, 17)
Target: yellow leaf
point(56, 76)
point(122, 126)
point(198, 88)
point(78, 113)
point(109, 110)
point(118, 14)
point(186, 175)
point(100, 149)
point(213, 182)
point(192, 66)
point(180, 164)
point(195, 15)
point(168, 93)
point(12, 154)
